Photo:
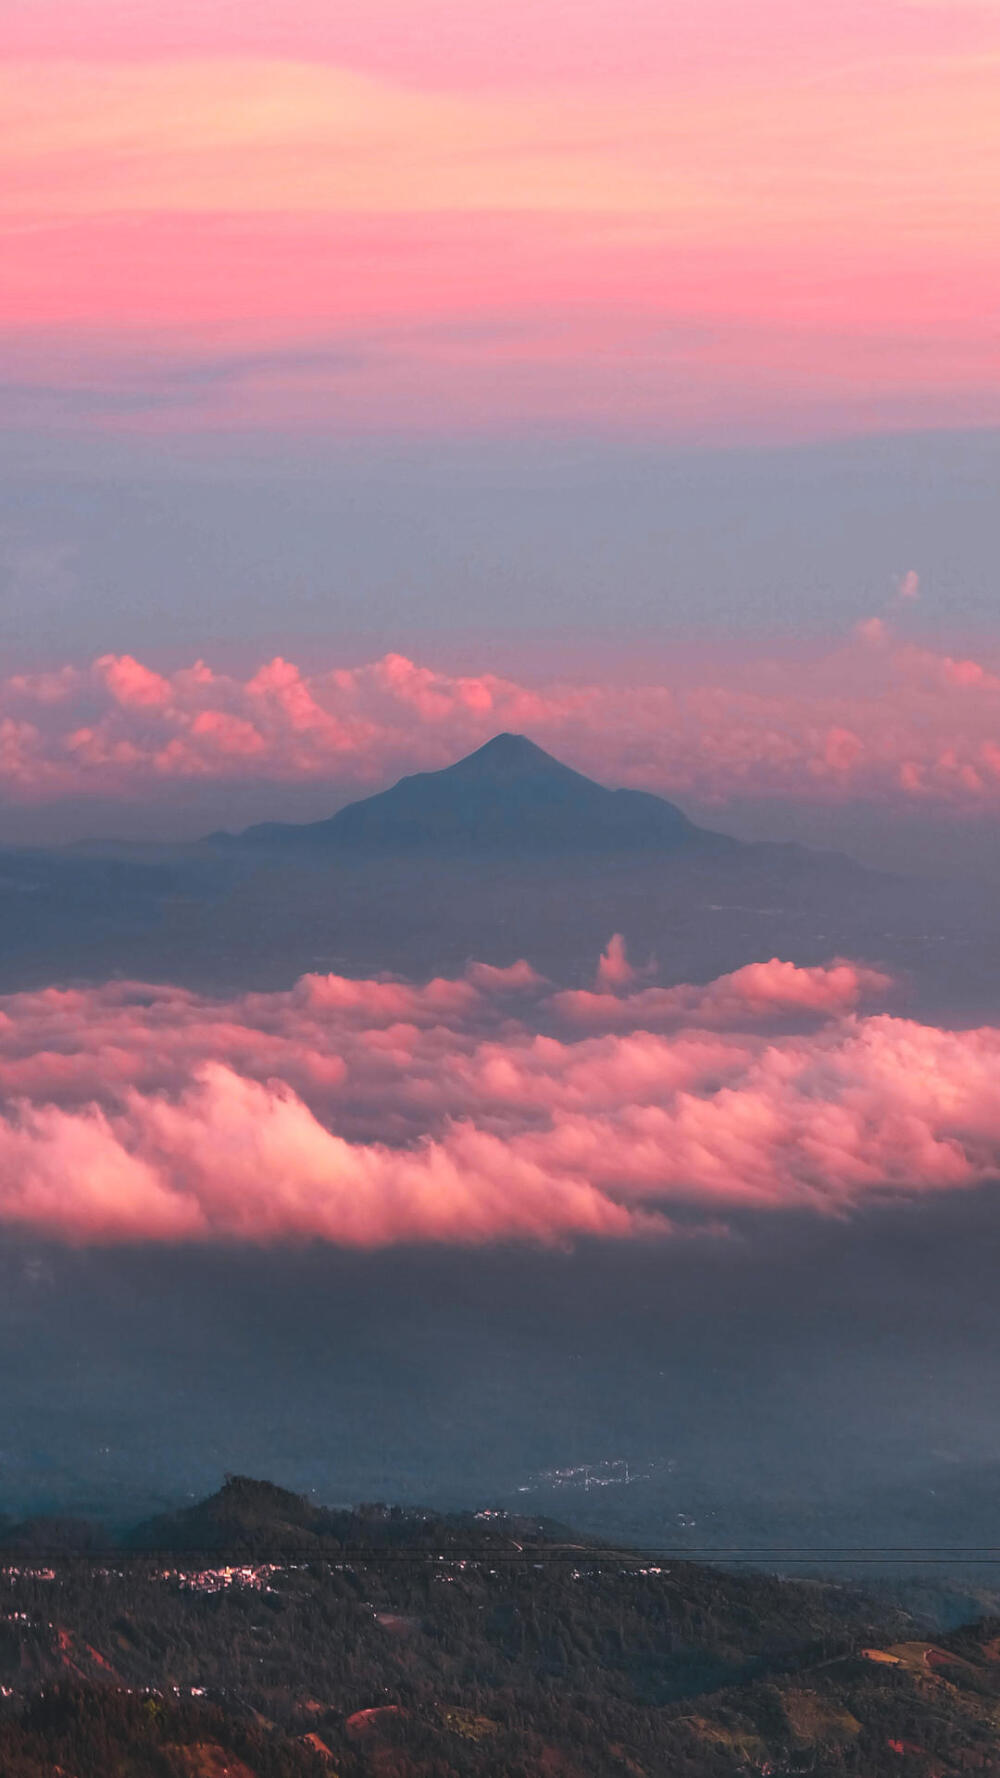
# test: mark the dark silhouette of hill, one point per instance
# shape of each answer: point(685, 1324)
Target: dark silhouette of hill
point(509, 796)
point(245, 1514)
point(255, 1518)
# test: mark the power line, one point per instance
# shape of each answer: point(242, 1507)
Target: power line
point(623, 1558)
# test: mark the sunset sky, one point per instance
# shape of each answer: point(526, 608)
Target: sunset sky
point(704, 221)
point(563, 348)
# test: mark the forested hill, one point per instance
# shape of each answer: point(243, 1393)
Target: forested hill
point(253, 1518)
point(402, 1645)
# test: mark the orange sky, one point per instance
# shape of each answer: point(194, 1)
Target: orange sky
point(772, 220)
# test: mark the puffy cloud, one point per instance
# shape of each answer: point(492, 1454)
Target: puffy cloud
point(875, 719)
point(516, 978)
point(484, 1108)
point(131, 684)
point(775, 990)
point(614, 970)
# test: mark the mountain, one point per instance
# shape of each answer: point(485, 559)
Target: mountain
point(508, 796)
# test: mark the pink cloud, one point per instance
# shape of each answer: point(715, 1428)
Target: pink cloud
point(614, 970)
point(372, 1112)
point(759, 991)
point(131, 684)
point(874, 719)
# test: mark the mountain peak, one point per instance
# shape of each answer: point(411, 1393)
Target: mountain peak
point(508, 756)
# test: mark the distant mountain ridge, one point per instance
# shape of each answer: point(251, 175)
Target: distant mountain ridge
point(510, 796)
point(251, 1517)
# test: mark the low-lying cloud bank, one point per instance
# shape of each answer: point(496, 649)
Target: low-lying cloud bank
point(876, 719)
point(491, 1107)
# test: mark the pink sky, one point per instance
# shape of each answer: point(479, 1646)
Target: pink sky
point(706, 220)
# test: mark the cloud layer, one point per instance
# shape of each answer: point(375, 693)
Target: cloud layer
point(876, 719)
point(486, 1108)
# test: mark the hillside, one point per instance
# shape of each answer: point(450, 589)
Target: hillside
point(465, 1648)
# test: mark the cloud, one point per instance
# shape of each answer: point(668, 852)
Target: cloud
point(484, 1108)
point(758, 991)
point(614, 970)
point(876, 719)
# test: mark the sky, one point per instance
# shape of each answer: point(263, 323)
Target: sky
point(707, 223)
point(704, 222)
point(599, 355)
point(377, 378)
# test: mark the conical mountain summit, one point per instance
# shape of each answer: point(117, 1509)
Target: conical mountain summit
point(509, 796)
